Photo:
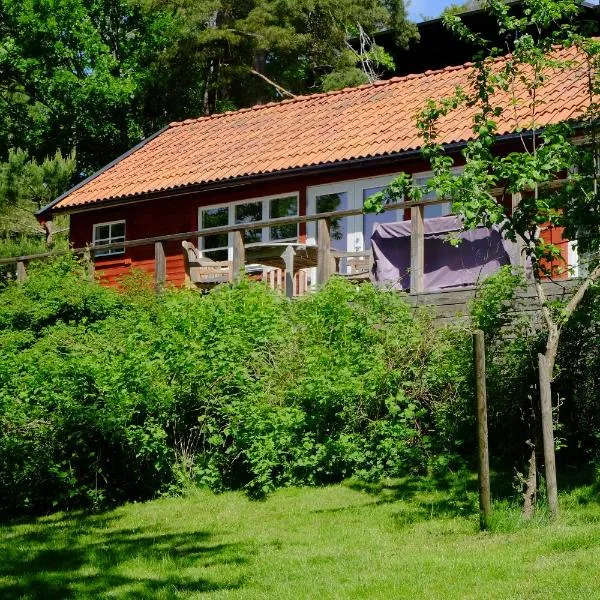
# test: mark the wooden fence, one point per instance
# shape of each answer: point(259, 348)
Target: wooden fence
point(325, 253)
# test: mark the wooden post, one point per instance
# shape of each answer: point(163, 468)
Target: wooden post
point(88, 261)
point(288, 259)
point(520, 259)
point(548, 436)
point(160, 266)
point(239, 256)
point(485, 496)
point(21, 271)
point(417, 249)
point(323, 251)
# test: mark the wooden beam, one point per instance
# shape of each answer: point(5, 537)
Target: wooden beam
point(239, 256)
point(548, 436)
point(417, 249)
point(485, 495)
point(288, 259)
point(21, 271)
point(324, 258)
point(160, 266)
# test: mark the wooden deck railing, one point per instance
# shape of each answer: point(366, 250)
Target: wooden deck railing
point(325, 253)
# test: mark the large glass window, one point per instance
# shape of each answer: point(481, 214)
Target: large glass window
point(283, 207)
point(249, 213)
point(371, 220)
point(339, 226)
point(215, 246)
point(109, 233)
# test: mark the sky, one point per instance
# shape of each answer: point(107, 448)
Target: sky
point(429, 8)
point(433, 8)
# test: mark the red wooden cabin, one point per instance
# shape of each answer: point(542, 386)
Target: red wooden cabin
point(301, 156)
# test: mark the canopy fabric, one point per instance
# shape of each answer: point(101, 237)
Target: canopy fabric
point(480, 253)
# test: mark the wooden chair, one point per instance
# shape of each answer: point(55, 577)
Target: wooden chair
point(202, 272)
point(357, 266)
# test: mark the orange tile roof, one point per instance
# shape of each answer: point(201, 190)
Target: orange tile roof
point(368, 121)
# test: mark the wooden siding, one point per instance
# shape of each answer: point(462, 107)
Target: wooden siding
point(179, 213)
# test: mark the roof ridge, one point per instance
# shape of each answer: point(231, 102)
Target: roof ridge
point(346, 90)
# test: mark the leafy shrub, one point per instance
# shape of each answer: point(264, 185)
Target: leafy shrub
point(110, 395)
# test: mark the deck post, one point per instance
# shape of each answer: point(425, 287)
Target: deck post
point(485, 496)
point(520, 259)
point(160, 266)
point(239, 256)
point(324, 260)
point(88, 263)
point(417, 249)
point(21, 271)
point(288, 259)
point(548, 436)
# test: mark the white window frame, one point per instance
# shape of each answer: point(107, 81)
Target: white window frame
point(265, 231)
point(354, 188)
point(109, 240)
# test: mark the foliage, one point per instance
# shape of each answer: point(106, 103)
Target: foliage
point(26, 186)
point(578, 380)
point(513, 340)
point(512, 344)
point(99, 76)
point(109, 395)
point(519, 191)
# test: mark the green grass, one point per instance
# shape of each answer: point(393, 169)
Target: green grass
point(408, 539)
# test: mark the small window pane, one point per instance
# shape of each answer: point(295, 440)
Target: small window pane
point(217, 254)
point(102, 232)
point(437, 210)
point(283, 207)
point(339, 226)
point(220, 240)
point(117, 230)
point(249, 213)
point(215, 217)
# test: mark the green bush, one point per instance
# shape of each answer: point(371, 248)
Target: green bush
point(111, 395)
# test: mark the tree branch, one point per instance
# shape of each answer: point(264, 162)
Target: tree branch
point(281, 90)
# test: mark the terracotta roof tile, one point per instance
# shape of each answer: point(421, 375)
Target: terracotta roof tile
point(367, 121)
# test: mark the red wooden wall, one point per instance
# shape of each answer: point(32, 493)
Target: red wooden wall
point(177, 214)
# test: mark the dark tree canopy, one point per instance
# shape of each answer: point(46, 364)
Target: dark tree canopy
point(99, 75)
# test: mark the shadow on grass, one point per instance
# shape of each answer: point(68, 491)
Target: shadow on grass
point(73, 559)
point(423, 498)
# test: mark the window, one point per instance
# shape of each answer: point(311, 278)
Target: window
point(339, 226)
point(109, 233)
point(353, 233)
point(215, 245)
point(283, 207)
point(433, 210)
point(248, 213)
point(218, 246)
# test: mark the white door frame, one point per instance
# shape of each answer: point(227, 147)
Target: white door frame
point(355, 241)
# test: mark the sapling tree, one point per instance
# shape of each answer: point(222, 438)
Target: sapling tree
point(550, 180)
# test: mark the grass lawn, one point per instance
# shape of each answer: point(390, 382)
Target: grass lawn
point(405, 540)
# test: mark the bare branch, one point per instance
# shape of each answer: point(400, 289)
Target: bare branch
point(281, 90)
